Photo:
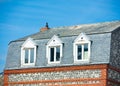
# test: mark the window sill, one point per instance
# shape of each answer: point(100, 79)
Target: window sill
point(81, 61)
point(28, 65)
point(53, 63)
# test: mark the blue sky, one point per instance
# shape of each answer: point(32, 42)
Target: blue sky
point(19, 18)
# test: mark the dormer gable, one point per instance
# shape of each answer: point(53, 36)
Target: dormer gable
point(29, 43)
point(54, 41)
point(82, 38)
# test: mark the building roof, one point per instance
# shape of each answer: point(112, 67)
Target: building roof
point(99, 34)
point(96, 28)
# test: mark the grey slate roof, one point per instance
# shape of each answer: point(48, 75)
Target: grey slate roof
point(99, 33)
point(75, 30)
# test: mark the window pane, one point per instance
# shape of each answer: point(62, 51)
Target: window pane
point(32, 55)
point(57, 53)
point(79, 52)
point(51, 54)
point(85, 51)
point(26, 55)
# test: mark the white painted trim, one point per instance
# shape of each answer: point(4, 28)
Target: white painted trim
point(79, 38)
point(48, 53)
point(79, 41)
point(29, 40)
point(54, 42)
point(29, 43)
point(56, 38)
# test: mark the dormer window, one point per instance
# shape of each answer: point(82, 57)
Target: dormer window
point(54, 50)
point(81, 48)
point(28, 53)
point(54, 54)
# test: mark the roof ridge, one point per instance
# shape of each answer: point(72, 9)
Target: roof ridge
point(89, 24)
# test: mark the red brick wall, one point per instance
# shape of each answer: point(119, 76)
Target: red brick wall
point(102, 79)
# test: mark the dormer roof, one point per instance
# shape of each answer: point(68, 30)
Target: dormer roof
point(54, 40)
point(29, 43)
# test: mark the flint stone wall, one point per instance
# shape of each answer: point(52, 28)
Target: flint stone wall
point(59, 83)
point(114, 75)
point(57, 75)
point(112, 84)
point(115, 48)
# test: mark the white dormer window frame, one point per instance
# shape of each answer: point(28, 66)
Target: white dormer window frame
point(28, 53)
point(54, 49)
point(81, 49)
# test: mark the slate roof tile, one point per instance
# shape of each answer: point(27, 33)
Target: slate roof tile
point(75, 30)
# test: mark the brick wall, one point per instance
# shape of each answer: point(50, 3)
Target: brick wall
point(93, 75)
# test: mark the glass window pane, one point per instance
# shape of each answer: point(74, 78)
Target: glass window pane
point(51, 54)
point(79, 52)
point(57, 53)
point(32, 55)
point(85, 51)
point(26, 55)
